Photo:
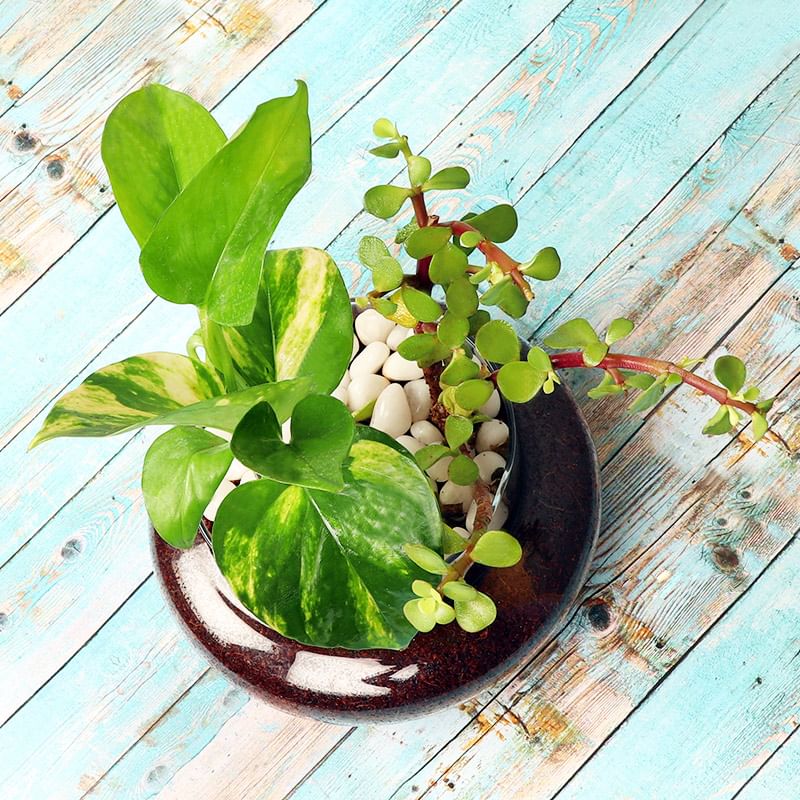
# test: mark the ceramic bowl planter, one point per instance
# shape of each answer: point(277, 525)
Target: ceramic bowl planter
point(553, 495)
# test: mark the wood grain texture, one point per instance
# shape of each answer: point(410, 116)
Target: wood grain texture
point(654, 134)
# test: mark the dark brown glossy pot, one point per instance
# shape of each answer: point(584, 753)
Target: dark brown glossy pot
point(553, 493)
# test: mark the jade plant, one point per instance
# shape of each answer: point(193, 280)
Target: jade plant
point(338, 537)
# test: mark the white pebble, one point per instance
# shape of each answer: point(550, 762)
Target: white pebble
point(399, 334)
point(369, 360)
point(469, 522)
point(491, 408)
point(419, 399)
point(462, 532)
point(247, 477)
point(488, 463)
point(223, 490)
point(439, 470)
point(356, 347)
point(362, 391)
point(397, 368)
point(491, 435)
point(340, 392)
point(452, 494)
point(391, 413)
point(235, 471)
point(426, 432)
point(410, 443)
point(372, 326)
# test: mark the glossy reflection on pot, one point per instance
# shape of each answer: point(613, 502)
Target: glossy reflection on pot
point(553, 494)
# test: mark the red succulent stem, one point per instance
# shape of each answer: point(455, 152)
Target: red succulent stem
point(496, 254)
point(423, 220)
point(653, 366)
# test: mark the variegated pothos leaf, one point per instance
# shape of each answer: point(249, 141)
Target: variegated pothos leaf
point(326, 568)
point(158, 389)
point(303, 322)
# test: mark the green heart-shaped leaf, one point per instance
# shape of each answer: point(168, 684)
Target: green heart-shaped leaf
point(328, 569)
point(448, 178)
point(154, 142)
point(426, 241)
point(270, 159)
point(182, 470)
point(322, 432)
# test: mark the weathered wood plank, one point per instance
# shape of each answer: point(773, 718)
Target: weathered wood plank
point(732, 522)
point(60, 299)
point(779, 772)
point(52, 183)
point(32, 42)
point(724, 710)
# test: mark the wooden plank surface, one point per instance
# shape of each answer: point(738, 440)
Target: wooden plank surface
point(656, 145)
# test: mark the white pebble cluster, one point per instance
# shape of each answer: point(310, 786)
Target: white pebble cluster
point(379, 374)
point(403, 403)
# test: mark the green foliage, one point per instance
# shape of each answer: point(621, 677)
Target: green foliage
point(426, 558)
point(452, 329)
point(419, 169)
point(519, 381)
point(388, 150)
point(322, 432)
point(384, 129)
point(459, 590)
point(594, 353)
point(719, 423)
point(476, 614)
point(459, 369)
point(496, 341)
point(731, 373)
point(427, 456)
point(425, 348)
point(448, 178)
point(649, 397)
point(302, 325)
point(451, 541)
point(506, 295)
point(544, 266)
point(353, 596)
point(385, 201)
point(498, 224)
point(539, 360)
point(618, 329)
point(221, 269)
point(448, 264)
point(405, 232)
point(424, 242)
point(371, 250)
point(154, 142)
point(760, 425)
point(462, 470)
point(497, 549)
point(470, 239)
point(575, 333)
point(457, 430)
point(472, 394)
point(422, 306)
point(182, 470)
point(462, 297)
point(607, 386)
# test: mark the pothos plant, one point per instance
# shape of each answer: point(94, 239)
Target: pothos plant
point(335, 542)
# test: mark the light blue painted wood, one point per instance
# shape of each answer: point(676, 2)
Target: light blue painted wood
point(777, 775)
point(92, 701)
point(723, 711)
point(578, 83)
